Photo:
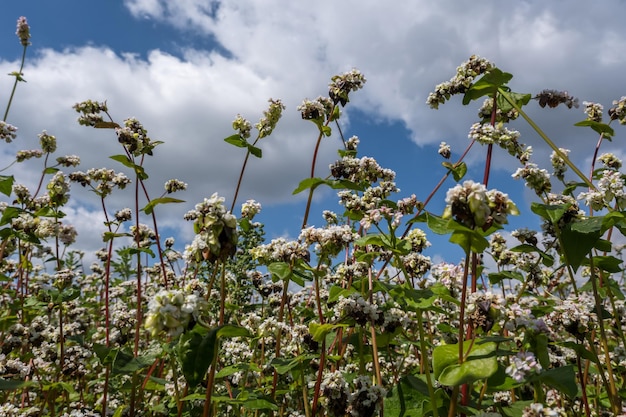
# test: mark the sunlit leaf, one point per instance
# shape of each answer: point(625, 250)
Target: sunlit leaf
point(480, 363)
point(6, 184)
point(488, 84)
point(149, 208)
point(237, 141)
point(311, 183)
point(600, 128)
point(255, 151)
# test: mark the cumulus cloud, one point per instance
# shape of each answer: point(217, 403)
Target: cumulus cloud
point(289, 50)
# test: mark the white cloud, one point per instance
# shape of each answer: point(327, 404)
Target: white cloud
point(289, 50)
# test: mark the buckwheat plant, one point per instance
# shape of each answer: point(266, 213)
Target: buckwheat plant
point(363, 312)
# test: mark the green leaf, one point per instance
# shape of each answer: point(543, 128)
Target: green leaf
point(255, 151)
point(260, 404)
point(481, 363)
point(413, 299)
point(497, 277)
point(407, 398)
point(9, 384)
point(520, 99)
point(107, 236)
point(236, 140)
point(470, 240)
point(149, 208)
point(458, 170)
point(562, 379)
point(600, 128)
point(487, 85)
point(50, 170)
point(6, 184)
point(319, 331)
point(125, 160)
point(311, 183)
point(336, 291)
point(197, 349)
point(283, 365)
point(579, 238)
point(609, 264)
point(341, 184)
point(106, 125)
point(435, 223)
point(195, 352)
point(281, 270)
point(553, 213)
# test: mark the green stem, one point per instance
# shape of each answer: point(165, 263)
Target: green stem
point(612, 390)
point(6, 112)
point(426, 362)
point(546, 139)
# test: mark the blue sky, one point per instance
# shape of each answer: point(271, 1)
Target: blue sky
point(187, 68)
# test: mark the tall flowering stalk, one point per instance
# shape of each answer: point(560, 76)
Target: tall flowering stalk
point(23, 34)
point(265, 127)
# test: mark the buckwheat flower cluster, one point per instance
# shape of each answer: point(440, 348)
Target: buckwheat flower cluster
point(270, 118)
point(319, 109)
point(341, 86)
point(575, 314)
point(525, 235)
point(68, 160)
point(48, 142)
point(24, 155)
point(134, 137)
point(171, 186)
point(23, 31)
point(618, 111)
point(487, 108)
point(250, 208)
point(558, 164)
point(536, 179)
point(90, 112)
point(124, 215)
point(522, 365)
point(346, 273)
point(352, 143)
point(374, 216)
point(484, 309)
point(329, 240)
point(171, 311)
point(7, 132)
point(553, 98)
point(540, 410)
point(610, 161)
point(472, 205)
point(415, 264)
point(242, 126)
point(364, 169)
point(330, 217)
point(281, 250)
point(366, 398)
point(418, 240)
point(449, 275)
point(485, 134)
point(593, 111)
point(444, 150)
point(408, 205)
point(106, 179)
point(357, 308)
point(143, 236)
point(215, 228)
point(58, 189)
point(610, 189)
point(461, 82)
point(336, 393)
